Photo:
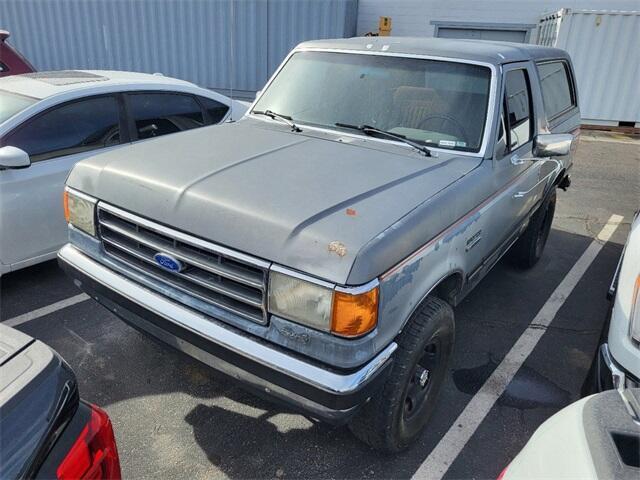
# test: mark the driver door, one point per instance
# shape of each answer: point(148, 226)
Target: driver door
point(32, 224)
point(516, 176)
point(514, 152)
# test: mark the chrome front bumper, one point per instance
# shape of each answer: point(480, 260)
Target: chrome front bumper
point(319, 391)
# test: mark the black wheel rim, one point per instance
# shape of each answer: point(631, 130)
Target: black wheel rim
point(421, 380)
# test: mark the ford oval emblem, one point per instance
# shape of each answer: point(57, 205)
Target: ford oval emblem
point(168, 262)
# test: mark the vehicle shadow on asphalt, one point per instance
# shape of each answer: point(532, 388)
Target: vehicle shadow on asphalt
point(245, 436)
point(33, 287)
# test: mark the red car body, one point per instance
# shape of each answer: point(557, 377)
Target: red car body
point(11, 62)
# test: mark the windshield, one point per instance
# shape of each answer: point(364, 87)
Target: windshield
point(438, 103)
point(11, 103)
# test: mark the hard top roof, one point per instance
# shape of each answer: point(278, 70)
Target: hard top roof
point(492, 52)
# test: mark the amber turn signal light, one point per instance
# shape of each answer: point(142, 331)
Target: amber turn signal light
point(65, 205)
point(354, 314)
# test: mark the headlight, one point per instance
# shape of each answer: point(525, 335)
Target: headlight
point(635, 311)
point(300, 301)
point(79, 210)
point(341, 311)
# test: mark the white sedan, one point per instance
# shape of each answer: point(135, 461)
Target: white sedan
point(597, 437)
point(51, 120)
point(619, 362)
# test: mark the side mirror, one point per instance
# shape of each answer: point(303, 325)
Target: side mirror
point(13, 158)
point(258, 93)
point(552, 144)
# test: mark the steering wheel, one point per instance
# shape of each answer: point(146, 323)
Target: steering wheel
point(447, 118)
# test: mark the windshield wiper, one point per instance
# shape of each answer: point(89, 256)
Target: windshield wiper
point(369, 130)
point(276, 116)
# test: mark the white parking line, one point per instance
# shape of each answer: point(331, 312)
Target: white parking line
point(41, 312)
point(463, 428)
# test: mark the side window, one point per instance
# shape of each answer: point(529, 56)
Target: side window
point(71, 128)
point(557, 91)
point(518, 106)
point(157, 114)
point(216, 110)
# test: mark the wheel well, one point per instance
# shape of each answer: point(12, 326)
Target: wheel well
point(560, 177)
point(449, 287)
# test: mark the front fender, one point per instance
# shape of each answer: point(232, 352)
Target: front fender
point(404, 287)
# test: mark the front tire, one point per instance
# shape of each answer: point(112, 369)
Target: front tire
point(396, 416)
point(527, 251)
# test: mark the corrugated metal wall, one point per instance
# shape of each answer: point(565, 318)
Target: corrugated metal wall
point(189, 39)
point(415, 17)
point(604, 48)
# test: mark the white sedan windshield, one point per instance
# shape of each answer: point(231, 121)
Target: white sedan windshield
point(438, 103)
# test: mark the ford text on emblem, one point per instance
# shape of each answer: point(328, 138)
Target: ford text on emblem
point(168, 262)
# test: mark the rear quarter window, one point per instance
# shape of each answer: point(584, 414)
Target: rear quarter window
point(216, 110)
point(557, 88)
point(158, 114)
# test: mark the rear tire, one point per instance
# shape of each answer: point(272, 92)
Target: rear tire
point(528, 250)
point(396, 415)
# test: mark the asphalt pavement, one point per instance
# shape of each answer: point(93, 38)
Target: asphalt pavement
point(176, 418)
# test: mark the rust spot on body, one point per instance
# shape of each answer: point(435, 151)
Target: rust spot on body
point(338, 247)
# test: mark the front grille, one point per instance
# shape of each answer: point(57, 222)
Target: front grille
point(211, 274)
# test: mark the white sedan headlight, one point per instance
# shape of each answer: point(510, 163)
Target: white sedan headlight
point(79, 210)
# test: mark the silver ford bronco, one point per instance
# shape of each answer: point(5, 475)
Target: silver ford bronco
point(315, 249)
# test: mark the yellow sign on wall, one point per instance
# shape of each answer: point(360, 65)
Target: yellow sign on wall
point(384, 26)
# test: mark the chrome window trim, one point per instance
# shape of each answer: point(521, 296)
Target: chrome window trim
point(186, 238)
point(490, 107)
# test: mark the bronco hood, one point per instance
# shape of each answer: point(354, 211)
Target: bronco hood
point(309, 201)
